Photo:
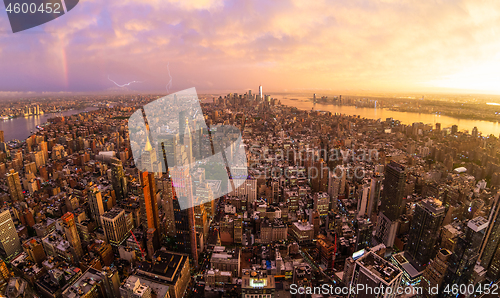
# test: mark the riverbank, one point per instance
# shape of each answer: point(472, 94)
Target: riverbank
point(453, 110)
point(485, 127)
point(21, 128)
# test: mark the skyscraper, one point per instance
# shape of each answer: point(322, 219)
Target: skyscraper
point(9, 240)
point(374, 198)
point(434, 273)
point(170, 149)
point(201, 220)
point(261, 95)
point(386, 230)
point(364, 234)
point(96, 204)
point(187, 142)
point(185, 219)
point(167, 198)
point(148, 185)
point(492, 237)
point(148, 159)
point(183, 122)
point(71, 232)
point(466, 252)
point(115, 228)
point(14, 185)
point(392, 201)
point(393, 192)
point(118, 179)
point(424, 230)
point(374, 272)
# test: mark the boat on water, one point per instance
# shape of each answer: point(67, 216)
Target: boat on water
point(294, 99)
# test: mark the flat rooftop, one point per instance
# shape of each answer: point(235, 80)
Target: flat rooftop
point(84, 284)
point(159, 289)
point(166, 268)
point(384, 270)
point(477, 224)
point(113, 213)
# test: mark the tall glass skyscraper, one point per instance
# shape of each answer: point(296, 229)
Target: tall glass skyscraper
point(466, 252)
point(393, 193)
point(429, 215)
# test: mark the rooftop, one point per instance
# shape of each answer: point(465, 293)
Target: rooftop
point(382, 269)
point(433, 205)
point(303, 226)
point(166, 267)
point(84, 284)
point(477, 224)
point(113, 213)
point(159, 289)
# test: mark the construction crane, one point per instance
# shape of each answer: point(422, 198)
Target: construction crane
point(142, 252)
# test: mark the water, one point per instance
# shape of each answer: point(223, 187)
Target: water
point(485, 127)
point(21, 128)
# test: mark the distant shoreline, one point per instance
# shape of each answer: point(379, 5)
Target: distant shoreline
point(403, 110)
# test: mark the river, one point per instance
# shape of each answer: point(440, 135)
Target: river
point(21, 128)
point(485, 127)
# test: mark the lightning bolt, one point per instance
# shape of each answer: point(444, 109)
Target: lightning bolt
point(169, 85)
point(121, 86)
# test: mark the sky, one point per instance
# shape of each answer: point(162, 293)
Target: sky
point(284, 45)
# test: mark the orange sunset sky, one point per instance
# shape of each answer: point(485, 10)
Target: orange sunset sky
point(214, 45)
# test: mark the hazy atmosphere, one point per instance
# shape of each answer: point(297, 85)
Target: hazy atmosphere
point(215, 45)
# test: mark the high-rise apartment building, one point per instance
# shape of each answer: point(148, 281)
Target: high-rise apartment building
point(424, 230)
point(14, 185)
point(374, 197)
point(392, 203)
point(38, 157)
point(96, 204)
point(386, 230)
point(434, 273)
point(118, 179)
point(71, 232)
point(9, 240)
point(394, 189)
point(114, 224)
point(374, 273)
point(466, 253)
